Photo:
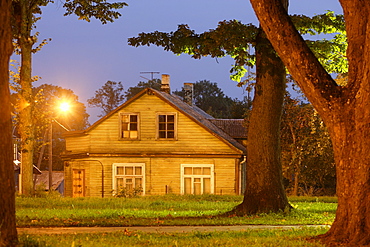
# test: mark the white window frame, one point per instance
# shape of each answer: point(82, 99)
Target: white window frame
point(157, 125)
point(114, 174)
point(183, 176)
point(120, 125)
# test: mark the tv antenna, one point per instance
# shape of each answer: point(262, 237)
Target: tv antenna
point(152, 75)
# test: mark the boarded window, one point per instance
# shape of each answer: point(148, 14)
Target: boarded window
point(129, 126)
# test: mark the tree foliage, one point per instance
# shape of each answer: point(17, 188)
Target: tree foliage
point(211, 99)
point(307, 153)
point(48, 99)
point(235, 39)
point(51, 98)
point(48, 111)
point(100, 9)
point(132, 91)
point(108, 97)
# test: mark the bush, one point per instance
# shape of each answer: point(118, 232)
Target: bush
point(129, 192)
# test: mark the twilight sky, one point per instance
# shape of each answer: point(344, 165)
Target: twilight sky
point(82, 56)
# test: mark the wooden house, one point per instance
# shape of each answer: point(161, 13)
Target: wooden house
point(158, 142)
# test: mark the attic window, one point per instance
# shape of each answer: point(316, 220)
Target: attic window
point(166, 126)
point(129, 126)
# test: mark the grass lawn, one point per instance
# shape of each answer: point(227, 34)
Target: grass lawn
point(281, 238)
point(169, 210)
point(163, 210)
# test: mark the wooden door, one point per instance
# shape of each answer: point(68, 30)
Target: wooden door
point(78, 183)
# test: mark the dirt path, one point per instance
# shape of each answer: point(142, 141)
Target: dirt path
point(154, 229)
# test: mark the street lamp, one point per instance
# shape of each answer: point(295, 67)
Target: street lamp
point(63, 107)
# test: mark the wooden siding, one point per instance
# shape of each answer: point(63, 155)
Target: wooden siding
point(192, 138)
point(78, 144)
point(161, 175)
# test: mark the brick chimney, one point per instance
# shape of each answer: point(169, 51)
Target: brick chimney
point(165, 87)
point(188, 93)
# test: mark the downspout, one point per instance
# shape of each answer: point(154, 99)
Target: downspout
point(243, 175)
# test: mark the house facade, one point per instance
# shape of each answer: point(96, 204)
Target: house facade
point(157, 142)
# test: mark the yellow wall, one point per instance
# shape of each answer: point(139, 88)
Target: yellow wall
point(159, 173)
point(192, 138)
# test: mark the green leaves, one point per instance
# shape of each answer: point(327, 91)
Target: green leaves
point(327, 23)
point(232, 38)
point(331, 53)
point(100, 9)
point(132, 91)
point(108, 97)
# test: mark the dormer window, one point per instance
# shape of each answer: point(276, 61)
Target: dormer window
point(129, 126)
point(166, 126)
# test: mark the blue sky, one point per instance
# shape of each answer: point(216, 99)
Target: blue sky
point(83, 56)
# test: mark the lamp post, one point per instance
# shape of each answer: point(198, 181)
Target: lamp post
point(51, 155)
point(63, 107)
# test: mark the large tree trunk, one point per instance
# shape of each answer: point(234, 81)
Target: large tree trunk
point(26, 125)
point(345, 110)
point(264, 187)
point(351, 142)
point(8, 232)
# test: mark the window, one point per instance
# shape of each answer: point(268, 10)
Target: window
point(129, 126)
point(197, 179)
point(166, 126)
point(129, 176)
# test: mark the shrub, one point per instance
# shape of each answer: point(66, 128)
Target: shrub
point(129, 192)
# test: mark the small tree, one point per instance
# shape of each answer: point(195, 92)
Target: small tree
point(132, 91)
point(307, 153)
point(108, 97)
point(211, 99)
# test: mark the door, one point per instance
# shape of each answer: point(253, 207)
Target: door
point(78, 182)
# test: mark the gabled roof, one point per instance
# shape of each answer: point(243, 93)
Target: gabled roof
point(192, 111)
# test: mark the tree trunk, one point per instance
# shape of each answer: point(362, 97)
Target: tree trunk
point(350, 136)
point(296, 183)
point(26, 125)
point(293, 162)
point(8, 232)
point(344, 109)
point(264, 187)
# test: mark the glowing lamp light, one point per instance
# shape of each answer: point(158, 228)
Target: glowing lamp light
point(64, 107)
